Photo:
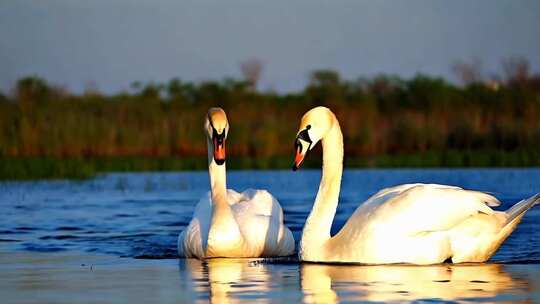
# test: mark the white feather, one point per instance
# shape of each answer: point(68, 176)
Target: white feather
point(259, 218)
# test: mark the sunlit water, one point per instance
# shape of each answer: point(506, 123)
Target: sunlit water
point(113, 239)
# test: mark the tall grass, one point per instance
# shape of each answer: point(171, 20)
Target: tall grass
point(387, 121)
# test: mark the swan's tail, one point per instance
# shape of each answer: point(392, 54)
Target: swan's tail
point(521, 207)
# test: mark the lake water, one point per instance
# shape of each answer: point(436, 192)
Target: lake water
point(113, 239)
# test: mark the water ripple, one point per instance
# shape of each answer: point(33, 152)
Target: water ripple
point(118, 214)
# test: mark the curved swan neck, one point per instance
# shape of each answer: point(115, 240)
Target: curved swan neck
point(218, 178)
point(319, 222)
point(223, 226)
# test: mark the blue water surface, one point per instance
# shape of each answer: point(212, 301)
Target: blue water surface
point(140, 215)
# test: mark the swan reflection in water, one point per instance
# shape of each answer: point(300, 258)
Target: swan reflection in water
point(241, 280)
point(249, 280)
point(395, 283)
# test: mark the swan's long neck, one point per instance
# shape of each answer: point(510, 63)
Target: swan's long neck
point(218, 186)
point(318, 224)
point(218, 177)
point(224, 235)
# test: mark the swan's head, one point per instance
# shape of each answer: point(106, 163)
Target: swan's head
point(313, 127)
point(216, 128)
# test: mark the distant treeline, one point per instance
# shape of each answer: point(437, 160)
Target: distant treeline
point(45, 131)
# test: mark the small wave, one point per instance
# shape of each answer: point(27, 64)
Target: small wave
point(519, 261)
point(163, 256)
point(124, 215)
point(68, 228)
point(43, 248)
point(24, 207)
point(129, 236)
point(26, 228)
point(8, 232)
point(59, 237)
point(171, 224)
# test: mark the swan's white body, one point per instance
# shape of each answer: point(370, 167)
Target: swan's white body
point(231, 224)
point(255, 228)
point(413, 223)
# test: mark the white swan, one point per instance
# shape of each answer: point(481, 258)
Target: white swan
point(231, 224)
point(414, 223)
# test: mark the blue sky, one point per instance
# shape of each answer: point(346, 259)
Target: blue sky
point(115, 42)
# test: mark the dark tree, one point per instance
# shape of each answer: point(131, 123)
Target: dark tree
point(516, 69)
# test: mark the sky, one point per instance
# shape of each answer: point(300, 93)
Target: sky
point(112, 43)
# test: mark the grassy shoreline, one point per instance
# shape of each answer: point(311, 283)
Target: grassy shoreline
point(30, 168)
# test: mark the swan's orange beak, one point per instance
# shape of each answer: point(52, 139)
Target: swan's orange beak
point(219, 151)
point(298, 158)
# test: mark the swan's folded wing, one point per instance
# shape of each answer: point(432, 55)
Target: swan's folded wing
point(255, 202)
point(233, 197)
point(260, 219)
point(419, 208)
point(192, 240)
